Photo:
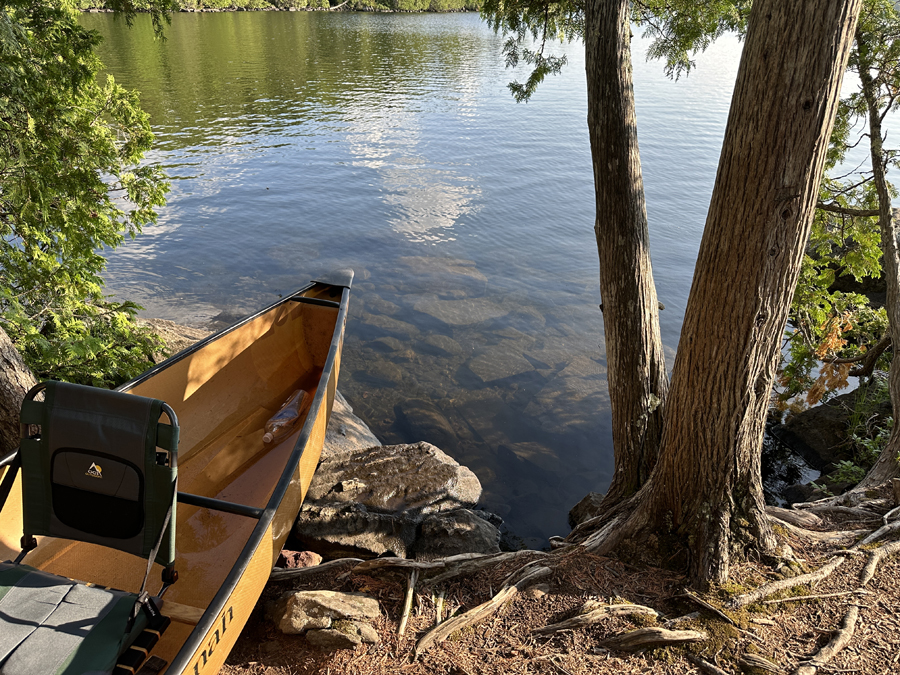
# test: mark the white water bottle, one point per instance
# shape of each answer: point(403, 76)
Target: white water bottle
point(282, 423)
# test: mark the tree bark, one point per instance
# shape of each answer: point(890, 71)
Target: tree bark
point(638, 382)
point(887, 466)
point(15, 381)
point(706, 489)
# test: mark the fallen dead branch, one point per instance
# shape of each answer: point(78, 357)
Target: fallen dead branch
point(457, 566)
point(591, 613)
point(407, 602)
point(784, 584)
point(874, 558)
point(840, 640)
point(645, 638)
point(529, 574)
point(279, 574)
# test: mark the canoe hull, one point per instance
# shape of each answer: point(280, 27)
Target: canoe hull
point(223, 389)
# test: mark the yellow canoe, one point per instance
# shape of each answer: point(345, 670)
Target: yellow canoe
point(238, 497)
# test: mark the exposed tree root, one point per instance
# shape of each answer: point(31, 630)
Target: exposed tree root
point(838, 538)
point(645, 638)
point(880, 533)
point(593, 612)
point(803, 519)
point(851, 511)
point(527, 576)
point(820, 596)
point(840, 640)
point(869, 570)
point(444, 568)
point(784, 584)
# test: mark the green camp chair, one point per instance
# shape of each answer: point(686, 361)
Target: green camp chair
point(101, 468)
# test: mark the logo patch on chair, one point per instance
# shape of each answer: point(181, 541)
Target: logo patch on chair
point(96, 471)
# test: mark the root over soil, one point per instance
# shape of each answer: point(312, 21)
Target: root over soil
point(828, 610)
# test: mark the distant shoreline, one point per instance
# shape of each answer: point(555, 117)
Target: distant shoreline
point(390, 7)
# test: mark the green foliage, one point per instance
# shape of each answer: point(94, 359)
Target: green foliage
point(679, 28)
point(682, 28)
point(70, 185)
point(524, 22)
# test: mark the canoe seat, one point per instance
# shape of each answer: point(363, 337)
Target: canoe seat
point(98, 466)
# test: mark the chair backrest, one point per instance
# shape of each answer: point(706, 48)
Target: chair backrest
point(102, 469)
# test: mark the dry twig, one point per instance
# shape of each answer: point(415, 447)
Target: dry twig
point(704, 665)
point(407, 603)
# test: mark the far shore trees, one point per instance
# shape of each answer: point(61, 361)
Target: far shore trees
point(704, 494)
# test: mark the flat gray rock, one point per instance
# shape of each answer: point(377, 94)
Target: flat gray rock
point(456, 532)
point(341, 530)
point(300, 611)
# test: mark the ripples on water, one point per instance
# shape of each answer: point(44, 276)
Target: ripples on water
point(300, 142)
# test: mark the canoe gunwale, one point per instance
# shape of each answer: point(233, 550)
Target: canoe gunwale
point(194, 643)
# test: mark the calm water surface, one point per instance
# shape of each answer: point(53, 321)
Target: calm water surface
point(302, 142)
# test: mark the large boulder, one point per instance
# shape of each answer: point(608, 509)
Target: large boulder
point(377, 500)
point(417, 478)
point(820, 434)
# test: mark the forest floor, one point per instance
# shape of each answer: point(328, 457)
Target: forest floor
point(786, 633)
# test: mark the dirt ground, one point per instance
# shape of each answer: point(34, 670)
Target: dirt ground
point(785, 633)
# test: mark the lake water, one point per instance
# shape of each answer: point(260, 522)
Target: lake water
point(302, 142)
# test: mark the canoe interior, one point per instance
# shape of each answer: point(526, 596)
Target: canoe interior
point(222, 393)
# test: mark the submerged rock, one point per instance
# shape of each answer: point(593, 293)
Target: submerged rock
point(460, 312)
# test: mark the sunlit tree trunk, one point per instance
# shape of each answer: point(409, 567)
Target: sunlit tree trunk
point(15, 380)
point(705, 492)
point(887, 466)
point(636, 364)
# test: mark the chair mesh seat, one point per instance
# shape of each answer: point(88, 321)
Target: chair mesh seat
point(55, 626)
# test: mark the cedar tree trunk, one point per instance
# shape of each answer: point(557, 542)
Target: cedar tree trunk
point(636, 364)
point(706, 489)
point(887, 466)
